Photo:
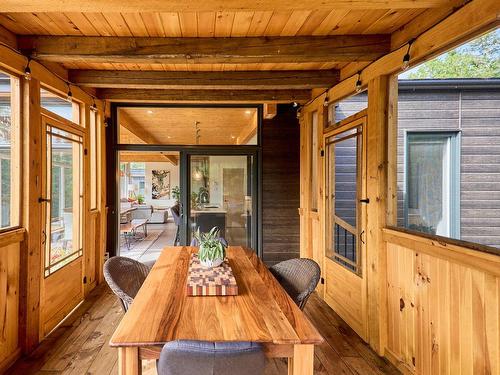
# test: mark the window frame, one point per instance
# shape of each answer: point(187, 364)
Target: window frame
point(16, 150)
point(454, 136)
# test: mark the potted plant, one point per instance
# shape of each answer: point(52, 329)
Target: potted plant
point(176, 193)
point(140, 199)
point(212, 251)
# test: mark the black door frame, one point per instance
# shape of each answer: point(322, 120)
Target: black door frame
point(113, 179)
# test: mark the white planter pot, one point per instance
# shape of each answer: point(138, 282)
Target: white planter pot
point(211, 263)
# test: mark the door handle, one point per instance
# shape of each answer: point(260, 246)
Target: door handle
point(44, 237)
point(366, 200)
point(361, 237)
point(42, 199)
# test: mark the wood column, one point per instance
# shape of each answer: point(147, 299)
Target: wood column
point(31, 254)
point(377, 190)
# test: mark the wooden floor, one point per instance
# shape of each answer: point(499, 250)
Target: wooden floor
point(80, 344)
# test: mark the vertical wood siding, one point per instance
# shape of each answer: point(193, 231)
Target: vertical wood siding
point(476, 114)
point(280, 186)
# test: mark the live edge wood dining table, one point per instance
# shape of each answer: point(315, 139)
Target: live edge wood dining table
point(261, 312)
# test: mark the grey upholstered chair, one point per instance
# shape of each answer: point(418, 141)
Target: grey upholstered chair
point(211, 358)
point(125, 277)
point(298, 277)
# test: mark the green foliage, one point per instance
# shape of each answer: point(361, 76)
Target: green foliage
point(211, 247)
point(479, 58)
point(176, 193)
point(140, 199)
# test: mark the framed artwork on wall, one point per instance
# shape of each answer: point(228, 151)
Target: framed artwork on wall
point(160, 182)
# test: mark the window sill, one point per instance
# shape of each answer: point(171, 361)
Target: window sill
point(478, 256)
point(8, 236)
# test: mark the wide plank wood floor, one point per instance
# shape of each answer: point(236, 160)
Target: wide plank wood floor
point(80, 344)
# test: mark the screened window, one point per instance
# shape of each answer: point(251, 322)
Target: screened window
point(432, 183)
point(9, 151)
point(314, 160)
point(94, 158)
point(62, 107)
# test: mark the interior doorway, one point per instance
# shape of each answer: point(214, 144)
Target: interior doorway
point(208, 177)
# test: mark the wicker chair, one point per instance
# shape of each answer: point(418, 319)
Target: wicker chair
point(210, 358)
point(125, 277)
point(298, 277)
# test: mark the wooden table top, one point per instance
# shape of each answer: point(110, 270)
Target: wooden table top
point(261, 312)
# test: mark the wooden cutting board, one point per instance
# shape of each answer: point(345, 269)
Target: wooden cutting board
point(217, 281)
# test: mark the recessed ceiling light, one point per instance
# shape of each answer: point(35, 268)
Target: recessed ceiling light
point(169, 137)
point(248, 111)
point(233, 137)
point(150, 112)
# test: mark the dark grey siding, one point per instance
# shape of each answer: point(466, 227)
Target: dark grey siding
point(475, 112)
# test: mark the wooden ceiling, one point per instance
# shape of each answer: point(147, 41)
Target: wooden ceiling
point(168, 125)
point(210, 24)
point(209, 51)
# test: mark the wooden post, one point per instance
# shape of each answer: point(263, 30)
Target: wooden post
point(377, 185)
point(302, 362)
point(31, 255)
point(129, 362)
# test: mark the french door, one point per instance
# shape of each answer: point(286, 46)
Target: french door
point(62, 227)
point(345, 219)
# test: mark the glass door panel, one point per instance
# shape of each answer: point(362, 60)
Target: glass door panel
point(64, 181)
point(221, 195)
point(344, 178)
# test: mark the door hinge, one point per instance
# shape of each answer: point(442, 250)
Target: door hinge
point(85, 279)
point(322, 153)
point(322, 280)
point(85, 152)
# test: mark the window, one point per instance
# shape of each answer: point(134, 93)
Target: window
point(94, 158)
point(9, 151)
point(65, 205)
point(313, 157)
point(448, 144)
point(347, 107)
point(432, 183)
point(62, 107)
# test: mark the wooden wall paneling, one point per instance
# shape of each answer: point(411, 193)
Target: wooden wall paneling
point(442, 312)
point(376, 165)
point(31, 256)
point(10, 346)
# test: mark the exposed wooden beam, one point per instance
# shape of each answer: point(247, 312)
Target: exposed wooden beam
point(129, 124)
point(478, 15)
point(300, 79)
point(240, 96)
point(144, 157)
point(136, 6)
point(205, 50)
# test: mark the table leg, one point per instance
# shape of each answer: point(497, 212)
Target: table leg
point(302, 362)
point(129, 362)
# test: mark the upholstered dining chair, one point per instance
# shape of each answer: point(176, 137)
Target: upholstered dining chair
point(298, 277)
point(211, 358)
point(125, 277)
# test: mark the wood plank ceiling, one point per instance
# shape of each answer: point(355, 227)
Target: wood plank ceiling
point(208, 24)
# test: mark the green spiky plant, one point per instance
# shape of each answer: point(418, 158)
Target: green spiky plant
point(211, 247)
